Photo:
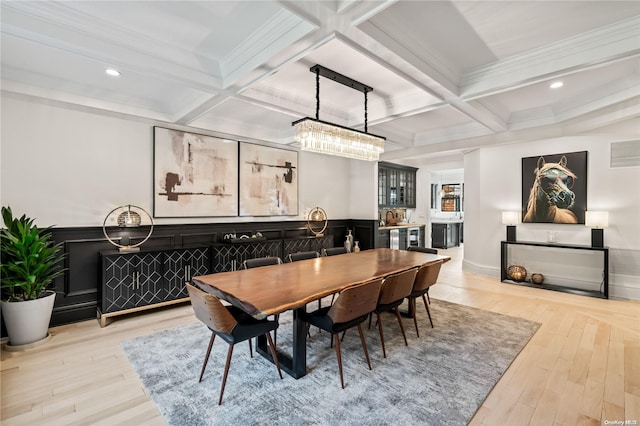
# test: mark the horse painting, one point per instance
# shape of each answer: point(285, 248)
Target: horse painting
point(551, 196)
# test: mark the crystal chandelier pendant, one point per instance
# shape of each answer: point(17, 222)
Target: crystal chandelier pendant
point(327, 138)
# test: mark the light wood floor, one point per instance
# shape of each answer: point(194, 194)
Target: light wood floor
point(582, 366)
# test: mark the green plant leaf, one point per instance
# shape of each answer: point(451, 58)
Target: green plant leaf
point(29, 259)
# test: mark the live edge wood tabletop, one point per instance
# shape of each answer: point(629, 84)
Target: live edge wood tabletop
point(273, 289)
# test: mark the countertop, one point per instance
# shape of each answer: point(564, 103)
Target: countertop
point(404, 225)
point(458, 220)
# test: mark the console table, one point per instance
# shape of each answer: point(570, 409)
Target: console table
point(603, 293)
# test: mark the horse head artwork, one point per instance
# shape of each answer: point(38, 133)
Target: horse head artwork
point(551, 196)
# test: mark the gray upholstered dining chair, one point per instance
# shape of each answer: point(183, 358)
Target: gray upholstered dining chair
point(426, 277)
point(232, 324)
point(395, 288)
point(350, 309)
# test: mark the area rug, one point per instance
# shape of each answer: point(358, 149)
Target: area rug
point(440, 378)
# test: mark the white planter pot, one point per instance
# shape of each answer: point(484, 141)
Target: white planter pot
point(28, 321)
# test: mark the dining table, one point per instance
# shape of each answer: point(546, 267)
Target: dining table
point(274, 289)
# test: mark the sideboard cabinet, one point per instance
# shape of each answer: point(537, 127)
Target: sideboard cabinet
point(133, 282)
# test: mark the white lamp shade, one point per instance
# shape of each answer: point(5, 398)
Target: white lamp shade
point(510, 218)
point(595, 219)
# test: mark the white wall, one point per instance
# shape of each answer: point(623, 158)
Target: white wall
point(493, 185)
point(363, 184)
point(69, 167)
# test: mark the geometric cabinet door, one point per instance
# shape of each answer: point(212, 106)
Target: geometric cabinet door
point(181, 266)
point(131, 280)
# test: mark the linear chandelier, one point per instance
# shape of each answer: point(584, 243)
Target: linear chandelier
point(327, 138)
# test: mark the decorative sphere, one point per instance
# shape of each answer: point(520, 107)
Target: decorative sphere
point(129, 219)
point(516, 273)
point(537, 278)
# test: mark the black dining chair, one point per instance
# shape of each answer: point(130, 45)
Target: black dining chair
point(423, 249)
point(257, 263)
point(261, 261)
point(428, 250)
point(426, 277)
point(332, 251)
point(232, 324)
point(302, 255)
point(395, 288)
point(350, 309)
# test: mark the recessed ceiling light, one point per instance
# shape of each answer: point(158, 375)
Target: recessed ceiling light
point(112, 72)
point(556, 85)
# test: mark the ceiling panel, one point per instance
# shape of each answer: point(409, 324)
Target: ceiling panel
point(511, 27)
point(209, 29)
point(591, 83)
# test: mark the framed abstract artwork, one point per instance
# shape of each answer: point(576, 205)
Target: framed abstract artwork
point(554, 188)
point(194, 175)
point(268, 181)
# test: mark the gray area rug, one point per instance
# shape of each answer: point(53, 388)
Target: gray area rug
point(441, 378)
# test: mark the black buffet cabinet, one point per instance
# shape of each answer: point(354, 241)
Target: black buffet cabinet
point(133, 282)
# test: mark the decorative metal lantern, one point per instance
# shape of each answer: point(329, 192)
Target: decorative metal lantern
point(537, 278)
point(517, 273)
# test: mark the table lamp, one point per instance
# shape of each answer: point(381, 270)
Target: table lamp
point(511, 219)
point(597, 220)
point(127, 217)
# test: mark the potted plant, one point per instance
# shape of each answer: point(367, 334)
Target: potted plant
point(30, 261)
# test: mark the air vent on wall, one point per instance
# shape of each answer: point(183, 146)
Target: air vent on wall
point(625, 154)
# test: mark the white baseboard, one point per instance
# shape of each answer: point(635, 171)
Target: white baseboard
point(625, 287)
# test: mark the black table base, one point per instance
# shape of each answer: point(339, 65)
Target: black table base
point(294, 365)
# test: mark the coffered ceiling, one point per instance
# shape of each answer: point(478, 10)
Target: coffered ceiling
point(448, 76)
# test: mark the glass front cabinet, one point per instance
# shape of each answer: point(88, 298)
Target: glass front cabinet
point(396, 185)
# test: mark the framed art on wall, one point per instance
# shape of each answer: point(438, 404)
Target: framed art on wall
point(194, 175)
point(268, 181)
point(554, 188)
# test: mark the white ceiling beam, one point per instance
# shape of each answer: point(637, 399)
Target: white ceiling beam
point(315, 13)
point(275, 35)
point(585, 51)
point(402, 61)
point(594, 101)
point(287, 56)
point(462, 145)
point(623, 111)
point(121, 47)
